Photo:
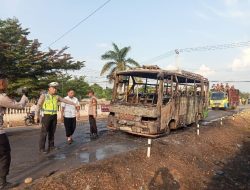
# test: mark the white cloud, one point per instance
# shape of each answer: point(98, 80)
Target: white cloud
point(205, 71)
point(242, 62)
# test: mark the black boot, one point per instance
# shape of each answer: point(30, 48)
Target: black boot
point(95, 135)
point(5, 185)
point(2, 182)
point(91, 135)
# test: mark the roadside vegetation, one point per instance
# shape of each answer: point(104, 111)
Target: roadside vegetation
point(27, 64)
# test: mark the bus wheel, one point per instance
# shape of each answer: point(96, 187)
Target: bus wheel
point(167, 130)
point(170, 126)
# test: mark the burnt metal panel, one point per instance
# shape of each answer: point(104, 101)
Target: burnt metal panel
point(134, 110)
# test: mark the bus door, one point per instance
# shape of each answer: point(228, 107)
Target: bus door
point(181, 101)
point(167, 107)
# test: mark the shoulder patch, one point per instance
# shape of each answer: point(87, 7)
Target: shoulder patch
point(47, 96)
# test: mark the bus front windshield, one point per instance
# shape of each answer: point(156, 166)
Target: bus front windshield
point(217, 96)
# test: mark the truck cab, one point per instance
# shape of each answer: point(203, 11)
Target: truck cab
point(219, 100)
point(224, 99)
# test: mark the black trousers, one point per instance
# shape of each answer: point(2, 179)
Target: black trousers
point(92, 123)
point(5, 157)
point(48, 128)
point(70, 125)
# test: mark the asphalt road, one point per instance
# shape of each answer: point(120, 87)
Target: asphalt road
point(28, 162)
point(214, 115)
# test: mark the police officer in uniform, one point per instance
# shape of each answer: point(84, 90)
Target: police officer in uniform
point(48, 102)
point(5, 156)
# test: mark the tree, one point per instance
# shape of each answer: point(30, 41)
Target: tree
point(78, 84)
point(25, 64)
point(245, 95)
point(102, 93)
point(108, 93)
point(117, 61)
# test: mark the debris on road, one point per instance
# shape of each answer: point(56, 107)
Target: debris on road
point(28, 180)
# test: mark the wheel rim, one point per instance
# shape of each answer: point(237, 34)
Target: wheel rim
point(28, 122)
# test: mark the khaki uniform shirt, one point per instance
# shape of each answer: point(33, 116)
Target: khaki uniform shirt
point(92, 106)
point(6, 102)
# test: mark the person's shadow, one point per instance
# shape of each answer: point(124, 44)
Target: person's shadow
point(163, 180)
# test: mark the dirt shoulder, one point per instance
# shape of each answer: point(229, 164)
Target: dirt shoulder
point(217, 159)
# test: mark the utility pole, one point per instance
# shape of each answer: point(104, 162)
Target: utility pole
point(177, 62)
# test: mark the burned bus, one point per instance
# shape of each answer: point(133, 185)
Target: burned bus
point(149, 101)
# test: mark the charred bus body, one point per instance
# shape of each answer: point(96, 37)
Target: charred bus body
point(150, 101)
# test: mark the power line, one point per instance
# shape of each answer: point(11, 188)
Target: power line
point(196, 49)
point(230, 81)
point(215, 47)
point(160, 57)
point(79, 23)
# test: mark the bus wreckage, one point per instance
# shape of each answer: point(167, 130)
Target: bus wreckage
point(149, 101)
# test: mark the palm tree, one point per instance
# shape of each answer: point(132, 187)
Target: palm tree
point(117, 61)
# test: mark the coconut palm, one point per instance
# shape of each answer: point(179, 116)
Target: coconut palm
point(117, 61)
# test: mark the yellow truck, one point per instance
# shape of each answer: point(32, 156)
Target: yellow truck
point(224, 99)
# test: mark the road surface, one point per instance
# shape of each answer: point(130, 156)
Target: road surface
point(28, 162)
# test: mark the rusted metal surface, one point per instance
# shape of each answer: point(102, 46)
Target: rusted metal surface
point(133, 110)
point(149, 101)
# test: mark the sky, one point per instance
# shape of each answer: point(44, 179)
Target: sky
point(151, 28)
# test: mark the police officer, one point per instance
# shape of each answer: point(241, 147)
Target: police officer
point(48, 102)
point(5, 156)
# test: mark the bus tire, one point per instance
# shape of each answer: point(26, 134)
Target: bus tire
point(170, 126)
point(167, 130)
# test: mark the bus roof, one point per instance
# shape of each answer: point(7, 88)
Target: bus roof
point(154, 72)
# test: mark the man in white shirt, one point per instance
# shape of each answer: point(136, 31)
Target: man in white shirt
point(69, 114)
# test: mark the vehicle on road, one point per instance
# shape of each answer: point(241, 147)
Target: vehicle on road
point(225, 99)
point(149, 101)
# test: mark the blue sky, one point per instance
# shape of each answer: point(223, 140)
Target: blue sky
point(150, 27)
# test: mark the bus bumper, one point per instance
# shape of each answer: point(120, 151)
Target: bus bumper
point(139, 127)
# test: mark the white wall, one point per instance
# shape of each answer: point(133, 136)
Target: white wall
point(19, 115)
